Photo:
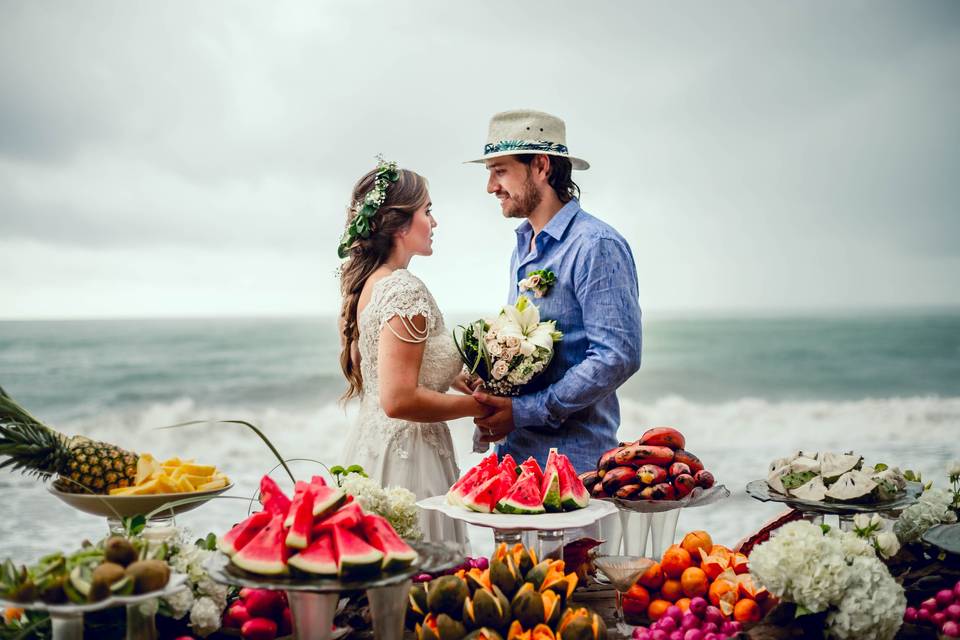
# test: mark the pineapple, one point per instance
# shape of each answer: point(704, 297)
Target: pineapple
point(83, 465)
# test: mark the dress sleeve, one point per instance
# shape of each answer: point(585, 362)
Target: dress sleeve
point(405, 297)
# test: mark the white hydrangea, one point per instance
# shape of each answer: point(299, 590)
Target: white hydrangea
point(205, 616)
point(216, 591)
point(396, 504)
point(800, 564)
point(180, 603)
point(933, 507)
point(872, 605)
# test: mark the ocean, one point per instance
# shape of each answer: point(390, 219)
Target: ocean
point(744, 390)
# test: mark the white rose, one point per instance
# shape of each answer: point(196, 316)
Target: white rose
point(887, 544)
point(494, 348)
point(525, 285)
point(511, 352)
point(511, 342)
point(953, 469)
point(861, 520)
point(534, 281)
point(500, 369)
point(876, 521)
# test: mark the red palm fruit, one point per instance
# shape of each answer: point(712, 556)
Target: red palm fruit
point(683, 484)
point(636, 455)
point(704, 479)
point(651, 474)
point(664, 491)
point(678, 468)
point(692, 461)
point(605, 463)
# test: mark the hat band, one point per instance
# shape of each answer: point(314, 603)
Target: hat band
point(534, 146)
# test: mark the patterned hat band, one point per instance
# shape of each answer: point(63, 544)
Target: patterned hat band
point(534, 146)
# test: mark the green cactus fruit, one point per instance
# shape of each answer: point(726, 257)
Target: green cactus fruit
point(581, 624)
point(527, 606)
point(487, 609)
point(450, 629)
point(446, 595)
point(504, 574)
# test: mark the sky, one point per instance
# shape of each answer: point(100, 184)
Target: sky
point(196, 159)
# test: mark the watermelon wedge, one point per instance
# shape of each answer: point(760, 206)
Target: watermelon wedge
point(573, 495)
point(354, 556)
point(272, 496)
point(267, 552)
point(397, 554)
point(533, 467)
point(300, 518)
point(318, 558)
point(475, 476)
point(523, 497)
point(485, 496)
point(550, 485)
point(349, 516)
point(327, 499)
point(237, 538)
point(318, 480)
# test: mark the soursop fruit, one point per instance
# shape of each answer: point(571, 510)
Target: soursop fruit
point(851, 486)
point(814, 490)
point(833, 465)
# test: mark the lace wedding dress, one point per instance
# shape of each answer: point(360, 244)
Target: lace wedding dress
point(418, 456)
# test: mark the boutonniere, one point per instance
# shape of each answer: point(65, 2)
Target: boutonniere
point(539, 282)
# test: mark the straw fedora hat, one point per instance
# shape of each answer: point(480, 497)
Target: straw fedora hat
point(525, 131)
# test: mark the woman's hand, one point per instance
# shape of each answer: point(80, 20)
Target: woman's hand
point(466, 383)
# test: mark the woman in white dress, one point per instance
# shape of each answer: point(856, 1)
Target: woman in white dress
point(397, 356)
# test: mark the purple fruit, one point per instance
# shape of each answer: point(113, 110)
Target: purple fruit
point(483, 563)
point(667, 624)
point(910, 615)
point(930, 604)
point(693, 634)
point(689, 621)
point(641, 634)
point(422, 577)
point(659, 634)
point(676, 635)
point(938, 618)
point(923, 615)
point(735, 627)
point(698, 606)
point(708, 627)
point(713, 615)
point(956, 591)
point(944, 598)
point(953, 612)
point(714, 636)
point(950, 629)
point(675, 612)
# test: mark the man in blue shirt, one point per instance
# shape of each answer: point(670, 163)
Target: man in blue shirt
point(573, 405)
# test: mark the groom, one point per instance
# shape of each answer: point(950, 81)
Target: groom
point(572, 406)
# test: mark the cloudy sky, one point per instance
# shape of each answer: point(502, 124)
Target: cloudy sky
point(184, 158)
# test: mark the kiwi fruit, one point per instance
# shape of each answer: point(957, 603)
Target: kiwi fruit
point(148, 575)
point(119, 550)
point(103, 577)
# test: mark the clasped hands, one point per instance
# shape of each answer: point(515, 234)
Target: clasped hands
point(498, 421)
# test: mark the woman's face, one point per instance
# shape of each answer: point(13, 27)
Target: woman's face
point(418, 237)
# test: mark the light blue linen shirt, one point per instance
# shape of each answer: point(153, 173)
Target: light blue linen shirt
point(595, 302)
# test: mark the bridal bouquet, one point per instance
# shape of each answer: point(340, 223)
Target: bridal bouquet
point(508, 351)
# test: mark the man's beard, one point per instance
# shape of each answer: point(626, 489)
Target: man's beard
point(524, 202)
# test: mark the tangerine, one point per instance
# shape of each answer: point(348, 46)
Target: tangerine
point(696, 540)
point(740, 563)
point(675, 561)
point(694, 582)
point(657, 608)
point(671, 590)
point(636, 601)
point(723, 591)
point(652, 578)
point(747, 610)
point(713, 566)
point(722, 551)
point(684, 604)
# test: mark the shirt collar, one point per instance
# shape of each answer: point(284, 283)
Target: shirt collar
point(557, 225)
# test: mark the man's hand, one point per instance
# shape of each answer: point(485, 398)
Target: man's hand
point(498, 424)
point(466, 383)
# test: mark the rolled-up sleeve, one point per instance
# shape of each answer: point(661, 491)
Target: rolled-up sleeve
point(605, 282)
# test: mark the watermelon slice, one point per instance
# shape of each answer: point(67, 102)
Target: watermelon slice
point(475, 476)
point(485, 496)
point(237, 538)
point(300, 518)
point(550, 485)
point(573, 495)
point(533, 467)
point(349, 516)
point(397, 554)
point(327, 499)
point(272, 496)
point(353, 554)
point(523, 497)
point(267, 553)
point(318, 480)
point(318, 558)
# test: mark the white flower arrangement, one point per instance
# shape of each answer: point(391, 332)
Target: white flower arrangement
point(205, 599)
point(397, 504)
point(833, 571)
point(872, 530)
point(508, 351)
point(933, 507)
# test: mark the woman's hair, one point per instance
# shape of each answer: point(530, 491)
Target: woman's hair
point(404, 197)
point(560, 176)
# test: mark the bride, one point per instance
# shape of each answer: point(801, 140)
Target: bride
point(397, 355)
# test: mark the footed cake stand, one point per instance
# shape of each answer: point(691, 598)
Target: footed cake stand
point(509, 528)
point(313, 600)
point(656, 519)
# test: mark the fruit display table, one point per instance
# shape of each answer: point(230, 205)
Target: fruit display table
point(313, 601)
point(508, 527)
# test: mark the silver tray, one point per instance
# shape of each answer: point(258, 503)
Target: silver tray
point(432, 558)
point(944, 536)
point(760, 490)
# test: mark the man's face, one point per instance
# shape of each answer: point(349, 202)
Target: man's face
point(511, 182)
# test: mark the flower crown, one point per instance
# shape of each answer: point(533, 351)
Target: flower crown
point(367, 207)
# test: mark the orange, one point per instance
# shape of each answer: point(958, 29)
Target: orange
point(694, 582)
point(713, 566)
point(640, 597)
point(671, 590)
point(684, 604)
point(722, 591)
point(747, 610)
point(747, 587)
point(676, 559)
point(722, 551)
point(696, 540)
point(657, 608)
point(740, 563)
point(653, 578)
